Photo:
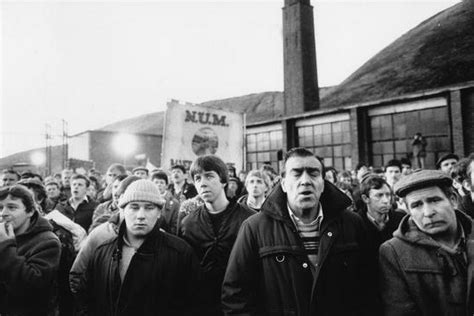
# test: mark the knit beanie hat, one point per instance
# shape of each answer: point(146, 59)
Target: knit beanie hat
point(141, 191)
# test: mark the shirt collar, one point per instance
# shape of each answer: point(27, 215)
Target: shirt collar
point(296, 220)
point(86, 198)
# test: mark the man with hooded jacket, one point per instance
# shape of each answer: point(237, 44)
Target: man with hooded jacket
point(303, 254)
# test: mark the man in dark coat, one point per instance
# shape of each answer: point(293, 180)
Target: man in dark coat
point(304, 253)
point(79, 207)
point(29, 253)
point(212, 228)
point(427, 267)
point(380, 219)
point(143, 270)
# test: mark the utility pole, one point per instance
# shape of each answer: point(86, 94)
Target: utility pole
point(65, 143)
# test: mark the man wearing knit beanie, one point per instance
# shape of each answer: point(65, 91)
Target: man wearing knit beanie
point(154, 272)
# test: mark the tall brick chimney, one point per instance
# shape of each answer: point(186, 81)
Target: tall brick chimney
point(299, 54)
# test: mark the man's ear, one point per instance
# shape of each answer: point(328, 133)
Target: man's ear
point(283, 184)
point(365, 198)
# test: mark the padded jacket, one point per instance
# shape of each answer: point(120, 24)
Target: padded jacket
point(269, 272)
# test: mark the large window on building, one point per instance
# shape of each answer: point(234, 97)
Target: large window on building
point(393, 133)
point(330, 140)
point(263, 147)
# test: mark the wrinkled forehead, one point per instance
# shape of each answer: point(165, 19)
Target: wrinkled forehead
point(297, 162)
point(425, 193)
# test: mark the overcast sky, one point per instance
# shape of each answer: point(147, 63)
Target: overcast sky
point(93, 63)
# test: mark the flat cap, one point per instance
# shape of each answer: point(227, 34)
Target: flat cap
point(421, 179)
point(446, 157)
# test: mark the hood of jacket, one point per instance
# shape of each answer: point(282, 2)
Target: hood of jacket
point(409, 232)
point(333, 202)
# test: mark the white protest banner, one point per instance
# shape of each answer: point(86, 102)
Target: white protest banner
point(191, 131)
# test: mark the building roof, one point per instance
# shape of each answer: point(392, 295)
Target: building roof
point(439, 52)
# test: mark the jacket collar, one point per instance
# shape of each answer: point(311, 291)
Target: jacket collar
point(149, 246)
point(333, 202)
point(408, 231)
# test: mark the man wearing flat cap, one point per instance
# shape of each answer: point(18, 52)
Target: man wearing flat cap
point(426, 268)
point(141, 172)
point(446, 162)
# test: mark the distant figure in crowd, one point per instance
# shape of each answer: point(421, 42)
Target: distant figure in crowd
point(467, 203)
point(9, 177)
point(304, 253)
point(107, 209)
point(141, 172)
point(29, 253)
point(79, 207)
point(211, 230)
point(446, 162)
point(66, 175)
point(113, 171)
point(143, 270)
point(419, 150)
point(53, 191)
point(425, 266)
point(380, 220)
point(170, 210)
point(233, 189)
point(361, 169)
point(393, 172)
point(179, 187)
point(406, 166)
point(258, 185)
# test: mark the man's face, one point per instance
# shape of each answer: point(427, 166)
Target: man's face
point(8, 179)
point(115, 187)
point(140, 218)
point(406, 169)
point(52, 191)
point(141, 173)
point(447, 164)
point(379, 200)
point(13, 211)
point(177, 175)
point(161, 184)
point(209, 186)
point(432, 211)
point(66, 177)
point(78, 188)
point(392, 174)
point(303, 182)
point(111, 174)
point(255, 186)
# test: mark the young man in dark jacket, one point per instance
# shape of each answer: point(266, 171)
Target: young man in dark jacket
point(29, 253)
point(142, 271)
point(304, 253)
point(426, 268)
point(211, 229)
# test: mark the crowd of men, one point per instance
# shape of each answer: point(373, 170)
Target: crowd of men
point(206, 241)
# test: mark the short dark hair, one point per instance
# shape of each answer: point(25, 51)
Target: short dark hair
point(83, 177)
point(160, 175)
point(210, 163)
point(301, 152)
point(405, 161)
point(333, 171)
point(20, 192)
point(29, 175)
point(372, 182)
point(37, 187)
point(181, 167)
point(394, 163)
point(120, 177)
point(360, 165)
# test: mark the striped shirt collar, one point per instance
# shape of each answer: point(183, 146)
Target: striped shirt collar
point(298, 222)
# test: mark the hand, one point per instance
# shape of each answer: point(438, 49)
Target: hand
point(6, 231)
